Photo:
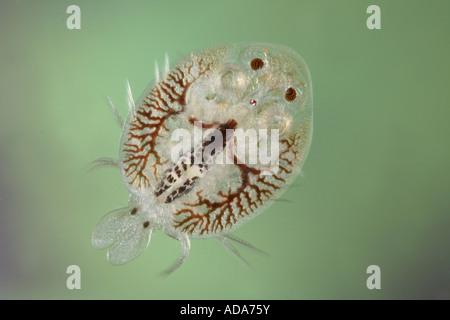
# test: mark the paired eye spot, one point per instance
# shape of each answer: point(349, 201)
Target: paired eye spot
point(256, 64)
point(146, 224)
point(134, 211)
point(290, 94)
point(253, 102)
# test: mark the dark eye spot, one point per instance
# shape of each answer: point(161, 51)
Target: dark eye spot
point(133, 212)
point(256, 64)
point(253, 102)
point(146, 224)
point(290, 94)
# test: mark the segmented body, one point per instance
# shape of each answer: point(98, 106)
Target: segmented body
point(222, 88)
point(187, 170)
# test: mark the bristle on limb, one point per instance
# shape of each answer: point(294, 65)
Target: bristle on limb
point(130, 100)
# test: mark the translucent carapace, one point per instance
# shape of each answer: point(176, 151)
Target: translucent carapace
point(213, 141)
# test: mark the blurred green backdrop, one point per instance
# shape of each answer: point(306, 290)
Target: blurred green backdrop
point(376, 183)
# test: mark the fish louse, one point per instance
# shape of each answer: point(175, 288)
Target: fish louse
point(211, 187)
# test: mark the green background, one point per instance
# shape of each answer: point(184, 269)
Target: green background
point(376, 182)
